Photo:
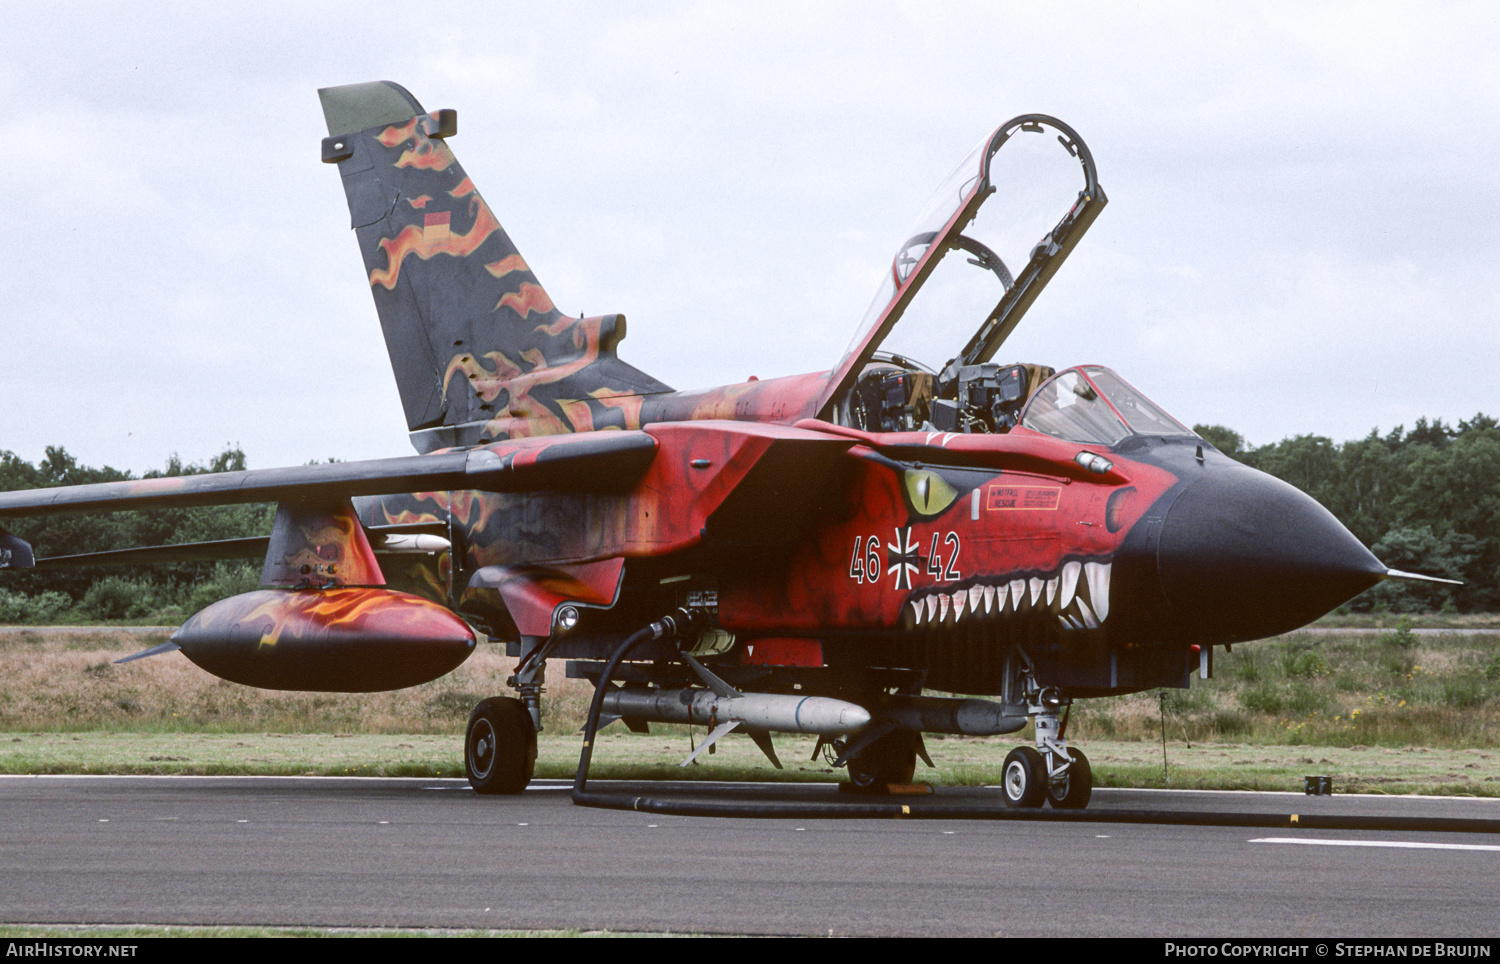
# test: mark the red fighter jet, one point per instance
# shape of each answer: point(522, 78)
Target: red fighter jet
point(805, 554)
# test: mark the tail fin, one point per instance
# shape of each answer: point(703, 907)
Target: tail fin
point(478, 349)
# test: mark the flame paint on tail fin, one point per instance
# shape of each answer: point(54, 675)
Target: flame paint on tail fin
point(479, 350)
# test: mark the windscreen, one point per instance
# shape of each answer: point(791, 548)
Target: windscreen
point(1095, 406)
point(1139, 412)
point(1069, 407)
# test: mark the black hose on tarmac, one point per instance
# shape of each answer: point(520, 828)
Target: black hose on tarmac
point(681, 621)
point(677, 624)
point(673, 624)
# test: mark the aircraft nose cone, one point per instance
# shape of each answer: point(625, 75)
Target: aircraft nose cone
point(1243, 555)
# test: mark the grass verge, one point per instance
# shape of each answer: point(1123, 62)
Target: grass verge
point(1393, 711)
point(960, 761)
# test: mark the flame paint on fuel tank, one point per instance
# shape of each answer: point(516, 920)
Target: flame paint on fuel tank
point(347, 640)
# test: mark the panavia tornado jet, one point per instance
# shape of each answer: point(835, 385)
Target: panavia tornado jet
point(811, 554)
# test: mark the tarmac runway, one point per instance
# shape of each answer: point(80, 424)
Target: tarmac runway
point(431, 853)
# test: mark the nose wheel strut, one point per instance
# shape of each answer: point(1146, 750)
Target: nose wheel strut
point(1048, 772)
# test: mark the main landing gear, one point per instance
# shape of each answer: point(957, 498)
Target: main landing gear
point(892, 759)
point(500, 743)
point(1049, 772)
point(500, 746)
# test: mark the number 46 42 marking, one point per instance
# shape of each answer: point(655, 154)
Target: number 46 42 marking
point(902, 559)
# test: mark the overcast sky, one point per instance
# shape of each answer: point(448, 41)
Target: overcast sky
point(1301, 235)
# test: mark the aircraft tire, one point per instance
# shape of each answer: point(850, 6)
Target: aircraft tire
point(890, 759)
point(1074, 790)
point(1024, 778)
point(499, 746)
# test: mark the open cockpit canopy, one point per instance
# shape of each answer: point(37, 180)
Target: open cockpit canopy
point(985, 245)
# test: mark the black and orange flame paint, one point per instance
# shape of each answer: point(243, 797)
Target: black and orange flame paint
point(319, 544)
point(479, 349)
point(1099, 566)
point(348, 640)
point(581, 499)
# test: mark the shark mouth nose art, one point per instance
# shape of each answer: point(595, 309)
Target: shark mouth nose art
point(1077, 594)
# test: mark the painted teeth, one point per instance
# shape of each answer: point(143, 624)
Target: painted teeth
point(1070, 574)
point(1078, 595)
point(1097, 574)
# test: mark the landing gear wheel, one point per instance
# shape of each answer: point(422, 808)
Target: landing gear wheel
point(890, 759)
point(1024, 778)
point(499, 746)
point(1072, 792)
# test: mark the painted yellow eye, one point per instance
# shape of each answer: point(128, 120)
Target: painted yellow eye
point(928, 492)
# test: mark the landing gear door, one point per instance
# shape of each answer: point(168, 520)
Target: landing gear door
point(987, 243)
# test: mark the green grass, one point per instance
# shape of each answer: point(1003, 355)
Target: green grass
point(961, 761)
point(1396, 689)
point(1275, 711)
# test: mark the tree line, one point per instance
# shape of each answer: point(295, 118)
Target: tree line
point(119, 592)
point(1425, 500)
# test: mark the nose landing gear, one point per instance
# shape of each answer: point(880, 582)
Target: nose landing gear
point(1049, 772)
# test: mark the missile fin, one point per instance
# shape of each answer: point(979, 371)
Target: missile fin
point(922, 752)
point(711, 739)
point(762, 739)
point(719, 687)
